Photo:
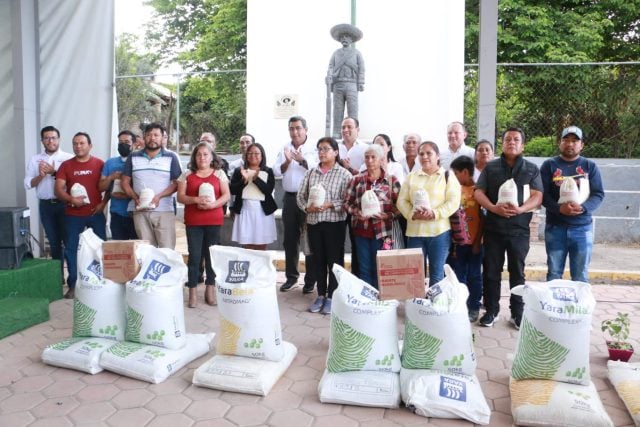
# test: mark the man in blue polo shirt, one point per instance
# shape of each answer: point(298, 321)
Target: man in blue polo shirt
point(155, 169)
point(121, 224)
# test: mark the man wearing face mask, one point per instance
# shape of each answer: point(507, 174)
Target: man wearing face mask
point(121, 224)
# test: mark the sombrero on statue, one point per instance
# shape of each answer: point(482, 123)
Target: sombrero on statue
point(338, 30)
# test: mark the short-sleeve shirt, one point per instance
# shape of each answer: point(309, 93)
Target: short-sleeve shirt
point(195, 216)
point(155, 173)
point(86, 174)
point(116, 164)
point(495, 173)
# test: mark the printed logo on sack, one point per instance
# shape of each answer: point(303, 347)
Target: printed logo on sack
point(453, 389)
point(238, 272)
point(369, 294)
point(155, 270)
point(433, 292)
point(564, 294)
point(95, 268)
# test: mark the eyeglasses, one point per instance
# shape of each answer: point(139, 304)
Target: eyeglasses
point(324, 149)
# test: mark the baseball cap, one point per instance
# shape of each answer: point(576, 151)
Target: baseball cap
point(572, 130)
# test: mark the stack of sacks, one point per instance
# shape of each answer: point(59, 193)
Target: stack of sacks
point(157, 344)
point(625, 377)
point(251, 355)
point(438, 360)
point(363, 360)
point(550, 381)
point(98, 313)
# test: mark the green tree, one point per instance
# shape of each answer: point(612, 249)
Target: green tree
point(208, 36)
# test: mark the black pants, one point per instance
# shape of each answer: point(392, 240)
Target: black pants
point(327, 244)
point(199, 238)
point(293, 220)
point(517, 248)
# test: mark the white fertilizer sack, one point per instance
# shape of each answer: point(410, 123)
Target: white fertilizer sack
point(155, 309)
point(81, 354)
point(508, 193)
point(553, 342)
point(244, 374)
point(151, 363)
point(625, 377)
point(98, 307)
point(551, 403)
point(442, 395)
point(361, 388)
point(247, 303)
point(364, 333)
point(437, 329)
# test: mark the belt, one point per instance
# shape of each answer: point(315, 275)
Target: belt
point(51, 201)
point(291, 193)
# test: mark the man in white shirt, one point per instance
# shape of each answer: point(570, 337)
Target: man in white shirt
point(292, 164)
point(410, 163)
point(246, 139)
point(456, 134)
point(41, 173)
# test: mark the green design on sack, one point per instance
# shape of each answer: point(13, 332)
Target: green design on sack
point(254, 343)
point(93, 345)
point(83, 318)
point(455, 362)
point(577, 373)
point(109, 330)
point(155, 353)
point(124, 349)
point(156, 335)
point(584, 396)
point(537, 355)
point(420, 349)
point(386, 360)
point(134, 325)
point(65, 344)
point(349, 347)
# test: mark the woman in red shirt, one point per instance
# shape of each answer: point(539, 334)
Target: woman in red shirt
point(203, 189)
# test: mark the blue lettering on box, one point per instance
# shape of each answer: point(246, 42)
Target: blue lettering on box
point(452, 388)
point(238, 272)
point(155, 270)
point(564, 294)
point(95, 268)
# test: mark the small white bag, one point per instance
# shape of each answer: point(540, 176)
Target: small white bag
point(78, 190)
point(508, 193)
point(317, 196)
point(569, 191)
point(146, 199)
point(370, 204)
point(421, 200)
point(206, 190)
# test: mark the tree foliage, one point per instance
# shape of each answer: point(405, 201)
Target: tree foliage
point(208, 36)
point(544, 99)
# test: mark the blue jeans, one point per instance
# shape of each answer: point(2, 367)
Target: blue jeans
point(577, 242)
point(122, 227)
point(199, 238)
point(74, 225)
point(367, 250)
point(435, 250)
point(468, 269)
point(52, 220)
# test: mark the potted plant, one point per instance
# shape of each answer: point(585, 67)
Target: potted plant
point(618, 330)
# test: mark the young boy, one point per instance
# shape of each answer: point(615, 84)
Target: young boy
point(466, 260)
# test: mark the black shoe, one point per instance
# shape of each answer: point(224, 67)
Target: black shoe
point(488, 319)
point(288, 285)
point(516, 319)
point(308, 288)
point(71, 293)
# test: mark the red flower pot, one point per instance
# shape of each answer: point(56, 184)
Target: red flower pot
point(622, 355)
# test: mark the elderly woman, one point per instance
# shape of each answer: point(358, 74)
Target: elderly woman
point(325, 218)
point(203, 190)
point(427, 199)
point(484, 154)
point(371, 229)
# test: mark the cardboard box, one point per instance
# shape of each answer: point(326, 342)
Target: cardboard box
point(119, 262)
point(401, 274)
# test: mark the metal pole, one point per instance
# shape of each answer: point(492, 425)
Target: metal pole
point(487, 74)
point(353, 12)
point(177, 112)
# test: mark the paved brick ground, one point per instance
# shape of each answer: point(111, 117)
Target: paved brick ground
point(34, 394)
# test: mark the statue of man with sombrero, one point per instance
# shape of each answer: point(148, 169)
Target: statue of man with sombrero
point(345, 76)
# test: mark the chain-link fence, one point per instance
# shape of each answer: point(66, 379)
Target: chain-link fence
point(542, 99)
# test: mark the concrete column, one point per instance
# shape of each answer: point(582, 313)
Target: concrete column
point(488, 52)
